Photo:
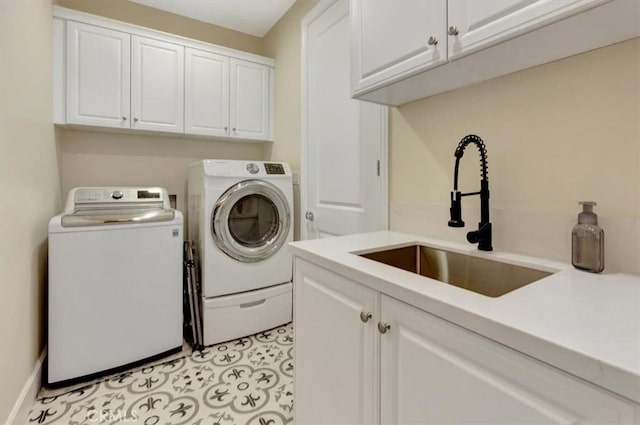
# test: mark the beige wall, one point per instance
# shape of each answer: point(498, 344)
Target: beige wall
point(283, 43)
point(108, 159)
point(134, 13)
point(555, 134)
point(29, 187)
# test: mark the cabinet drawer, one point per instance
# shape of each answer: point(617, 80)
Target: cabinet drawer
point(226, 317)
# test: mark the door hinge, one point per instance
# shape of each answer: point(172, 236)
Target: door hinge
point(378, 167)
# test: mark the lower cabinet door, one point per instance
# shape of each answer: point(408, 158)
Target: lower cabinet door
point(336, 348)
point(434, 372)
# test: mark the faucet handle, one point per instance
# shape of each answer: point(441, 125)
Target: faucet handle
point(456, 210)
point(482, 237)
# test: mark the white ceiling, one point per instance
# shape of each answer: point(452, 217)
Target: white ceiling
point(254, 17)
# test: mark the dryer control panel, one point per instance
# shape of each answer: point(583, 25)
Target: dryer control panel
point(271, 168)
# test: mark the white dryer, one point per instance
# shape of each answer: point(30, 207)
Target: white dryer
point(240, 220)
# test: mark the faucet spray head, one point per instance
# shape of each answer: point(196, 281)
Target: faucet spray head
point(456, 210)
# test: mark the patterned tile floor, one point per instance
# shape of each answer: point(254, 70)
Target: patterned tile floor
point(245, 381)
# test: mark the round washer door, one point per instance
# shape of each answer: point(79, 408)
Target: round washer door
point(250, 221)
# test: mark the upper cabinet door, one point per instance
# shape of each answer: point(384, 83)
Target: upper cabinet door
point(394, 39)
point(480, 24)
point(250, 100)
point(98, 79)
point(157, 85)
point(206, 93)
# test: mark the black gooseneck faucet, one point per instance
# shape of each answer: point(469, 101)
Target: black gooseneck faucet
point(482, 236)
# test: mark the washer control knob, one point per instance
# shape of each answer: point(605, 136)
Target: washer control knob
point(117, 194)
point(253, 168)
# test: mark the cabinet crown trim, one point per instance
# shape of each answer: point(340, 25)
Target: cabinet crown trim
point(100, 21)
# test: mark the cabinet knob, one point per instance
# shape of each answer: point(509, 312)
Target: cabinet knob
point(309, 216)
point(364, 316)
point(226, 128)
point(135, 120)
point(453, 30)
point(234, 129)
point(124, 118)
point(432, 41)
point(383, 327)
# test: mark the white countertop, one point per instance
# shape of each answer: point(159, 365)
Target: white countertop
point(586, 324)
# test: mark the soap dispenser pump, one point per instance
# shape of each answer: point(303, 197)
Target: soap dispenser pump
point(587, 241)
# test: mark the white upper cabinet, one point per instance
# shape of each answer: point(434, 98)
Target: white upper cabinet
point(157, 85)
point(479, 24)
point(113, 74)
point(206, 93)
point(250, 98)
point(410, 49)
point(396, 38)
point(97, 76)
point(227, 97)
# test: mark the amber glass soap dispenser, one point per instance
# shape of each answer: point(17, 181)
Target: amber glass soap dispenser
point(587, 245)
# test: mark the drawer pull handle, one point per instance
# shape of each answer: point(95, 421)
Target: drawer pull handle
point(253, 303)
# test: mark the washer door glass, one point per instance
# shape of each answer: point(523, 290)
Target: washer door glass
point(251, 220)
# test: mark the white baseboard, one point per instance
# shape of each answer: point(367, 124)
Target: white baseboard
point(24, 403)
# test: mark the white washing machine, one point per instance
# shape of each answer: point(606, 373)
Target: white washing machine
point(240, 220)
point(115, 280)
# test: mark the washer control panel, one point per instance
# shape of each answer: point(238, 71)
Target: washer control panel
point(271, 168)
point(108, 197)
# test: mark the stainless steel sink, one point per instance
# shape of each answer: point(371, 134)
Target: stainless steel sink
point(480, 275)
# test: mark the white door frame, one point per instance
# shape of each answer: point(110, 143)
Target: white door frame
point(307, 20)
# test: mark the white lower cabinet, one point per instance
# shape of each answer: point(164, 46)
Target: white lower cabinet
point(406, 366)
point(435, 372)
point(336, 351)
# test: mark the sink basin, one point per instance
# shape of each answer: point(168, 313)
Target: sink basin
point(480, 275)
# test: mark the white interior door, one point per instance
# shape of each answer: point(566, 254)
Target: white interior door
point(344, 186)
